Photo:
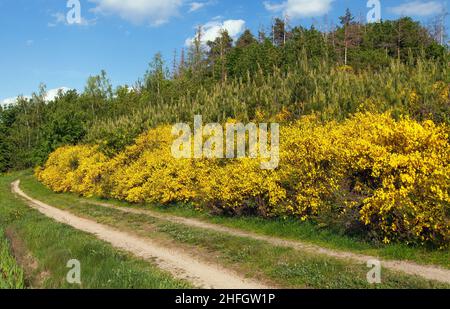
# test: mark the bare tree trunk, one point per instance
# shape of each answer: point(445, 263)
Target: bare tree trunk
point(175, 65)
point(399, 40)
point(222, 66)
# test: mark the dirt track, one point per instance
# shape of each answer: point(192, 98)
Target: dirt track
point(193, 266)
point(179, 264)
point(428, 272)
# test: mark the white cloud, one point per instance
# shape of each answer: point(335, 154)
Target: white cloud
point(50, 96)
point(154, 12)
point(53, 93)
point(212, 29)
point(300, 8)
point(10, 101)
point(195, 6)
point(418, 8)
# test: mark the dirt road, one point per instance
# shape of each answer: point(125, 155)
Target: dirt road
point(424, 271)
point(180, 264)
point(428, 272)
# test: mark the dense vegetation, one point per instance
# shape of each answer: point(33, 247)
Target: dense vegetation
point(365, 112)
point(388, 179)
point(389, 66)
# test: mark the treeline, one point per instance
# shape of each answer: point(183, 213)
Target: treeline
point(392, 65)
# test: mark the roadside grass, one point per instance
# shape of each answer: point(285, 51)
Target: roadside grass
point(290, 229)
point(11, 274)
point(281, 266)
point(50, 245)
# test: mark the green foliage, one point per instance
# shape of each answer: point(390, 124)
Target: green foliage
point(246, 39)
point(391, 65)
point(4, 148)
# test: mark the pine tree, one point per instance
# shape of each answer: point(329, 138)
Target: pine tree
point(245, 39)
point(351, 33)
point(218, 50)
point(175, 67)
point(196, 52)
point(279, 32)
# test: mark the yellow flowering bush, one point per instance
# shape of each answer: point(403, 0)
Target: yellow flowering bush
point(239, 186)
point(307, 167)
point(399, 172)
point(392, 176)
point(147, 172)
point(77, 169)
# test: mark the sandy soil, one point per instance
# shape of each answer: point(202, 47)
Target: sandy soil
point(179, 264)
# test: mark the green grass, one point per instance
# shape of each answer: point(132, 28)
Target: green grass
point(284, 267)
point(288, 229)
point(309, 232)
point(51, 245)
point(288, 267)
point(11, 274)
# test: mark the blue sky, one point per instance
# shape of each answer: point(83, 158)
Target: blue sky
point(120, 36)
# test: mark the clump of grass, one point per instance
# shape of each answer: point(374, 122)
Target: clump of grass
point(11, 274)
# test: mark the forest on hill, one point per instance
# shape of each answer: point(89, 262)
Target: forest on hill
point(300, 155)
point(397, 66)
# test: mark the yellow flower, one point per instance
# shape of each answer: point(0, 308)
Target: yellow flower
point(396, 173)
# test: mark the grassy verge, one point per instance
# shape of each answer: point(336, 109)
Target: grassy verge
point(280, 266)
point(43, 248)
point(11, 274)
point(288, 229)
